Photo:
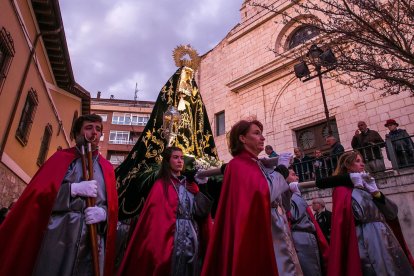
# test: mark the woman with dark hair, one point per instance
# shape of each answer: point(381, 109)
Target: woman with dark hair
point(363, 221)
point(251, 235)
point(173, 227)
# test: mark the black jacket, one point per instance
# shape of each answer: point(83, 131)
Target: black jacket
point(366, 139)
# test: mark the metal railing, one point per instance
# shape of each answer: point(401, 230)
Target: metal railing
point(316, 168)
point(123, 142)
point(399, 151)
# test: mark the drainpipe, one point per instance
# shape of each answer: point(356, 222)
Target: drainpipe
point(21, 86)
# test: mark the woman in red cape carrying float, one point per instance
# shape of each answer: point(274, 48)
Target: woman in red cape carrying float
point(366, 238)
point(251, 235)
point(173, 228)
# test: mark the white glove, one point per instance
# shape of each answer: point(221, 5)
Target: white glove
point(84, 188)
point(200, 180)
point(357, 180)
point(369, 183)
point(284, 159)
point(94, 215)
point(294, 188)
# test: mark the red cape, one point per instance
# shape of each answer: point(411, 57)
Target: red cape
point(322, 242)
point(22, 231)
point(344, 256)
point(150, 248)
point(241, 243)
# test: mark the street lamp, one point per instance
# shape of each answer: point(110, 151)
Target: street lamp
point(318, 59)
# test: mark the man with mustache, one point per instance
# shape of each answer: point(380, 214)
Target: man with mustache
point(46, 232)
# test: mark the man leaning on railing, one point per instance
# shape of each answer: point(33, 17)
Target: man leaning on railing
point(369, 143)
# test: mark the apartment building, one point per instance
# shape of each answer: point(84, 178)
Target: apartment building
point(123, 123)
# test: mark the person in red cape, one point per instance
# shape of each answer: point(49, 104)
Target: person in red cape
point(362, 241)
point(310, 243)
point(173, 228)
point(242, 241)
point(45, 232)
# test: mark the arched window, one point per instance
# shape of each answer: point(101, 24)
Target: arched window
point(302, 34)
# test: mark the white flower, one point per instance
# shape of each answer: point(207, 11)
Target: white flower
point(206, 163)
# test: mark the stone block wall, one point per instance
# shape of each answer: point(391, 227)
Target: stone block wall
point(397, 186)
point(11, 186)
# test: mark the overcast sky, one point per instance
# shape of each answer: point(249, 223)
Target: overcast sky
point(114, 44)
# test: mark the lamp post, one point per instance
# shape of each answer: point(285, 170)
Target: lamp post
point(318, 59)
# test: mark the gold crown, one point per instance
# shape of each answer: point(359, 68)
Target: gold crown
point(183, 50)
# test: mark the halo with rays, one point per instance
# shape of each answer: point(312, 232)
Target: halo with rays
point(181, 51)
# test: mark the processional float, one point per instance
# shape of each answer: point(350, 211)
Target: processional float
point(179, 118)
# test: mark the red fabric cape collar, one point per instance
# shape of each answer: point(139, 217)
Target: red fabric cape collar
point(22, 231)
point(242, 226)
point(245, 154)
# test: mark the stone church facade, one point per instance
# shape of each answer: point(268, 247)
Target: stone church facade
point(242, 78)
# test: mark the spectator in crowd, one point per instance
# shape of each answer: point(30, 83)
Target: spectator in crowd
point(368, 142)
point(322, 216)
point(310, 242)
point(336, 150)
point(270, 152)
point(402, 143)
point(319, 165)
point(335, 147)
point(302, 165)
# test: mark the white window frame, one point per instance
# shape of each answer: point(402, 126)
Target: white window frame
point(129, 119)
point(121, 137)
point(119, 118)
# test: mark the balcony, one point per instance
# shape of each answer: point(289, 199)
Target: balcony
point(399, 151)
point(122, 142)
